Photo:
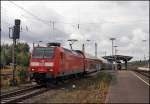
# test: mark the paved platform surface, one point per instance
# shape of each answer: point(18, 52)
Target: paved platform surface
point(128, 87)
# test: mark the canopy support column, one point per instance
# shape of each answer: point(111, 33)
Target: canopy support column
point(126, 64)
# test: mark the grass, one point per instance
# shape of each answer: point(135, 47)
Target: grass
point(6, 80)
point(6, 71)
point(88, 90)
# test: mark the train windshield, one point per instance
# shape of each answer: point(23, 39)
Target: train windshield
point(42, 52)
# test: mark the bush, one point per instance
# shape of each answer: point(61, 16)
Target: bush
point(22, 74)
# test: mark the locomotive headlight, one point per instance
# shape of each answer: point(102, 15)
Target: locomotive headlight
point(51, 70)
point(34, 64)
point(32, 69)
point(49, 64)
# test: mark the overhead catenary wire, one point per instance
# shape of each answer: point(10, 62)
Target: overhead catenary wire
point(10, 25)
point(53, 22)
point(45, 21)
point(36, 17)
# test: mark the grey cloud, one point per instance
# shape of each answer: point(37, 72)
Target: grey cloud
point(124, 20)
point(39, 30)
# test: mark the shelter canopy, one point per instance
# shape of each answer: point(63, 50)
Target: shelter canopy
point(118, 58)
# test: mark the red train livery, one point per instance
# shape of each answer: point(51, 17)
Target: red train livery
point(54, 61)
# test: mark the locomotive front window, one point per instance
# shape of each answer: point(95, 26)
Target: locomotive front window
point(43, 52)
point(48, 52)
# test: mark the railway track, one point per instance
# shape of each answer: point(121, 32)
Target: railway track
point(19, 95)
point(27, 92)
point(145, 73)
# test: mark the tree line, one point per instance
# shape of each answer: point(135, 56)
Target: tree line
point(22, 54)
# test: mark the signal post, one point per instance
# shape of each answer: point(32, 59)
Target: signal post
point(15, 35)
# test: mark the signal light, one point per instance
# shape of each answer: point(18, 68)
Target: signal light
point(17, 22)
point(16, 32)
point(16, 29)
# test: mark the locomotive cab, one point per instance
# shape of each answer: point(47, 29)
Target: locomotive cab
point(42, 62)
point(42, 59)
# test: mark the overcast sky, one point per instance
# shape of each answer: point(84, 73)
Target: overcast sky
point(127, 21)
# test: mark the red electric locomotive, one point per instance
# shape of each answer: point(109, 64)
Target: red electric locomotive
point(53, 62)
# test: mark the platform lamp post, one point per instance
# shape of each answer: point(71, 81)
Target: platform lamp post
point(144, 41)
point(115, 50)
point(72, 41)
point(115, 57)
point(112, 39)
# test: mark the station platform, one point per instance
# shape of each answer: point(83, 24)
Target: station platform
point(127, 87)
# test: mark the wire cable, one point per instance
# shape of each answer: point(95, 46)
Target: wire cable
point(36, 17)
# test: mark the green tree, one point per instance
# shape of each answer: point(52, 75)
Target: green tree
point(22, 54)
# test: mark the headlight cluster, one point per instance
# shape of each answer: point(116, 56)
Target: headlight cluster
point(34, 63)
point(33, 69)
point(48, 64)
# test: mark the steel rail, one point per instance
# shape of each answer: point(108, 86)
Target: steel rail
point(18, 91)
point(23, 96)
point(145, 73)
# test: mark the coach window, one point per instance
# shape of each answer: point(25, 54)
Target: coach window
point(99, 66)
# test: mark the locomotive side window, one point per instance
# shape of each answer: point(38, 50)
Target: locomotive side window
point(62, 58)
point(93, 66)
point(43, 52)
point(99, 66)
